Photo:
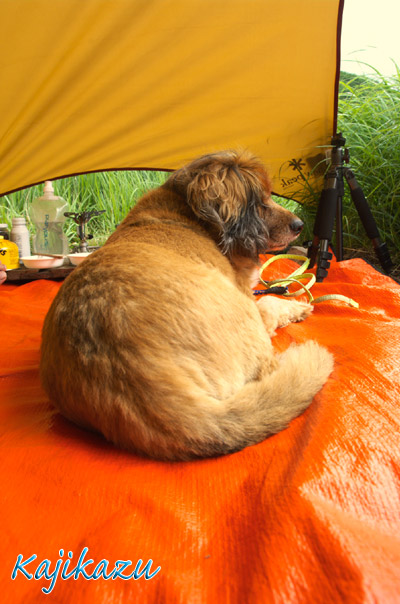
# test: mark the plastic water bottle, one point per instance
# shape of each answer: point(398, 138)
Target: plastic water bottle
point(20, 235)
point(47, 214)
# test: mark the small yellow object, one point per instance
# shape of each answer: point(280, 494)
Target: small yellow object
point(9, 255)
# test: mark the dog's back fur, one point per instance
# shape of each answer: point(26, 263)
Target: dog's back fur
point(156, 341)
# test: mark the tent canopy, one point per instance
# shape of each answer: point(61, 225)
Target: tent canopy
point(122, 84)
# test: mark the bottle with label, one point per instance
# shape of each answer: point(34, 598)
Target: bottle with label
point(20, 235)
point(4, 232)
point(8, 253)
point(47, 214)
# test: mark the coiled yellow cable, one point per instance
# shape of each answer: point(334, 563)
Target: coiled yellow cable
point(298, 276)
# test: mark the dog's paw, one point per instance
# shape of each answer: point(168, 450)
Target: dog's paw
point(278, 312)
point(293, 312)
point(299, 311)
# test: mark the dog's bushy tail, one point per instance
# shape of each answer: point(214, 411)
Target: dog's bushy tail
point(265, 407)
point(208, 427)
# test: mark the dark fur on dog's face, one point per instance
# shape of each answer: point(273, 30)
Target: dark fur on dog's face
point(230, 193)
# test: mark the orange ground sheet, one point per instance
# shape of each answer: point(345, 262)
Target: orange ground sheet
point(311, 515)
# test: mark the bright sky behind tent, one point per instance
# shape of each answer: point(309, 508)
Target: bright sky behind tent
point(370, 34)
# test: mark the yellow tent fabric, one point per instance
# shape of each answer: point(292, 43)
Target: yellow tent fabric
point(117, 84)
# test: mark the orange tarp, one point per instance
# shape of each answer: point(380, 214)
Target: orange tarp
point(311, 515)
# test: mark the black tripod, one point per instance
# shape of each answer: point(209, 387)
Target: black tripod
point(331, 206)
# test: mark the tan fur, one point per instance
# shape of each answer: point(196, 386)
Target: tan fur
point(155, 340)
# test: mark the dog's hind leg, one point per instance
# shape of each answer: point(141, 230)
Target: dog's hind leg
point(277, 312)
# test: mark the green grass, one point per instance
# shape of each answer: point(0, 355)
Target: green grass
point(368, 116)
point(114, 192)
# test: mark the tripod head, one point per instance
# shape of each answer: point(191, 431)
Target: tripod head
point(339, 152)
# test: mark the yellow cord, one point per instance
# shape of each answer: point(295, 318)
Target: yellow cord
point(298, 276)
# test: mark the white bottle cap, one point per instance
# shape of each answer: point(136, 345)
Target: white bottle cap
point(48, 192)
point(48, 188)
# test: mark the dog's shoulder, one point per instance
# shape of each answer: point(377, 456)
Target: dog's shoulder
point(158, 207)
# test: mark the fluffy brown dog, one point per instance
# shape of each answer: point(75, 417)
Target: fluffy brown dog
point(155, 340)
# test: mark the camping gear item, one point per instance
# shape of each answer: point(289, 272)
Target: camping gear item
point(330, 210)
point(20, 235)
point(4, 232)
point(9, 255)
point(76, 259)
point(41, 262)
point(81, 220)
point(47, 213)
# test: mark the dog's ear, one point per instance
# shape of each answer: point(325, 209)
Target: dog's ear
point(227, 191)
point(248, 235)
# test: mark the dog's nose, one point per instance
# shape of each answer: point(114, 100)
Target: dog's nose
point(297, 225)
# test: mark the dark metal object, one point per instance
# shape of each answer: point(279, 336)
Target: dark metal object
point(271, 290)
point(330, 208)
point(81, 220)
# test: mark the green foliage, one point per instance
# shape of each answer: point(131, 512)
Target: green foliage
point(368, 115)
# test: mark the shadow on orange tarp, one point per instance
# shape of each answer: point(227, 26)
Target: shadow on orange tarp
point(310, 515)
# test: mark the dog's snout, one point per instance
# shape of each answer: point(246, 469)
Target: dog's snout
point(297, 225)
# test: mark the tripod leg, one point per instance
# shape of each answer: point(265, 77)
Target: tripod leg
point(368, 221)
point(339, 229)
point(323, 227)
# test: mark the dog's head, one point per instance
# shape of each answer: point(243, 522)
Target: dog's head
point(230, 193)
